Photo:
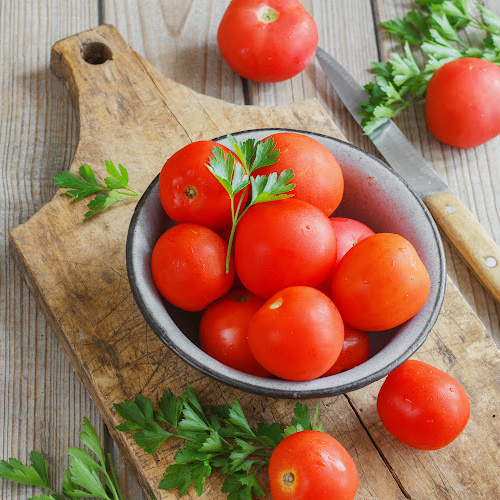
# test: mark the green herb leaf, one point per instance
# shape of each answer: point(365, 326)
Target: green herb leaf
point(302, 420)
point(141, 417)
point(225, 441)
point(242, 486)
point(101, 202)
point(434, 32)
point(181, 476)
point(490, 19)
point(118, 179)
point(170, 409)
point(115, 190)
point(403, 28)
point(234, 177)
point(35, 475)
point(271, 188)
point(265, 154)
point(83, 474)
point(271, 432)
point(222, 168)
point(79, 187)
point(245, 151)
point(91, 440)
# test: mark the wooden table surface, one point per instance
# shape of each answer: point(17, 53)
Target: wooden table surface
point(42, 402)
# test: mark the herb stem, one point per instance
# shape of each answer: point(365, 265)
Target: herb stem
point(114, 480)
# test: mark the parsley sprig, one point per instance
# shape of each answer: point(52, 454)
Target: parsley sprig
point(86, 477)
point(222, 441)
point(235, 177)
point(435, 30)
point(116, 187)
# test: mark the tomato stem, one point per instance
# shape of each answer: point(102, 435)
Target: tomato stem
point(267, 14)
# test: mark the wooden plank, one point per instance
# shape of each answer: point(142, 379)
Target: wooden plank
point(92, 309)
point(470, 173)
point(179, 37)
point(43, 402)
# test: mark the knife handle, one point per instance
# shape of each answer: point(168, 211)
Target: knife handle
point(471, 240)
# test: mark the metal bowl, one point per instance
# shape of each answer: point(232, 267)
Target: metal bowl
point(374, 194)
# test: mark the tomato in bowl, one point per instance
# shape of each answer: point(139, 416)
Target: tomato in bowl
point(374, 195)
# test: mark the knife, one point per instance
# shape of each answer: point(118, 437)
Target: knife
point(465, 232)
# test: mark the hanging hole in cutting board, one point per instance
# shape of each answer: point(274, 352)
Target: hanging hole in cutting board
point(96, 53)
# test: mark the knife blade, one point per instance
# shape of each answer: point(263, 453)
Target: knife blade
point(465, 232)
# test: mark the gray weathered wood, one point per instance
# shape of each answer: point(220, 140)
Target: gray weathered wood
point(38, 134)
point(42, 402)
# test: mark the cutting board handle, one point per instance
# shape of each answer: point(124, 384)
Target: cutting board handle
point(106, 79)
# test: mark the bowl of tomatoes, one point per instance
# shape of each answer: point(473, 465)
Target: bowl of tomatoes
point(317, 260)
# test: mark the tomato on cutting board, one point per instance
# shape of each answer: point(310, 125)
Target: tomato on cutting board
point(422, 406)
point(267, 41)
point(312, 465)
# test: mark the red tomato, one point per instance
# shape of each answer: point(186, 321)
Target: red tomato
point(283, 243)
point(317, 177)
point(267, 41)
point(422, 406)
point(462, 104)
point(189, 192)
point(224, 331)
point(380, 283)
point(355, 350)
point(297, 334)
point(349, 232)
point(312, 465)
point(189, 266)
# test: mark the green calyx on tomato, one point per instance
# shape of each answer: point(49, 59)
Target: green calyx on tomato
point(267, 14)
point(235, 177)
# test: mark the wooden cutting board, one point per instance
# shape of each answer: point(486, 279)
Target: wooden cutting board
point(129, 113)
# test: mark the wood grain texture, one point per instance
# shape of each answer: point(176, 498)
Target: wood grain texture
point(471, 174)
point(472, 241)
point(42, 402)
point(38, 138)
point(111, 348)
point(114, 352)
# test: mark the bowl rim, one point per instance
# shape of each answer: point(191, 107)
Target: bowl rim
point(275, 387)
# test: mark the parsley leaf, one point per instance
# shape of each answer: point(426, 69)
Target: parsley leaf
point(255, 154)
point(116, 187)
point(302, 420)
point(140, 417)
point(235, 176)
point(434, 31)
point(79, 187)
point(242, 486)
point(35, 475)
point(181, 476)
point(224, 441)
point(84, 478)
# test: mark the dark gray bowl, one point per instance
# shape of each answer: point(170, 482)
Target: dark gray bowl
point(374, 194)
